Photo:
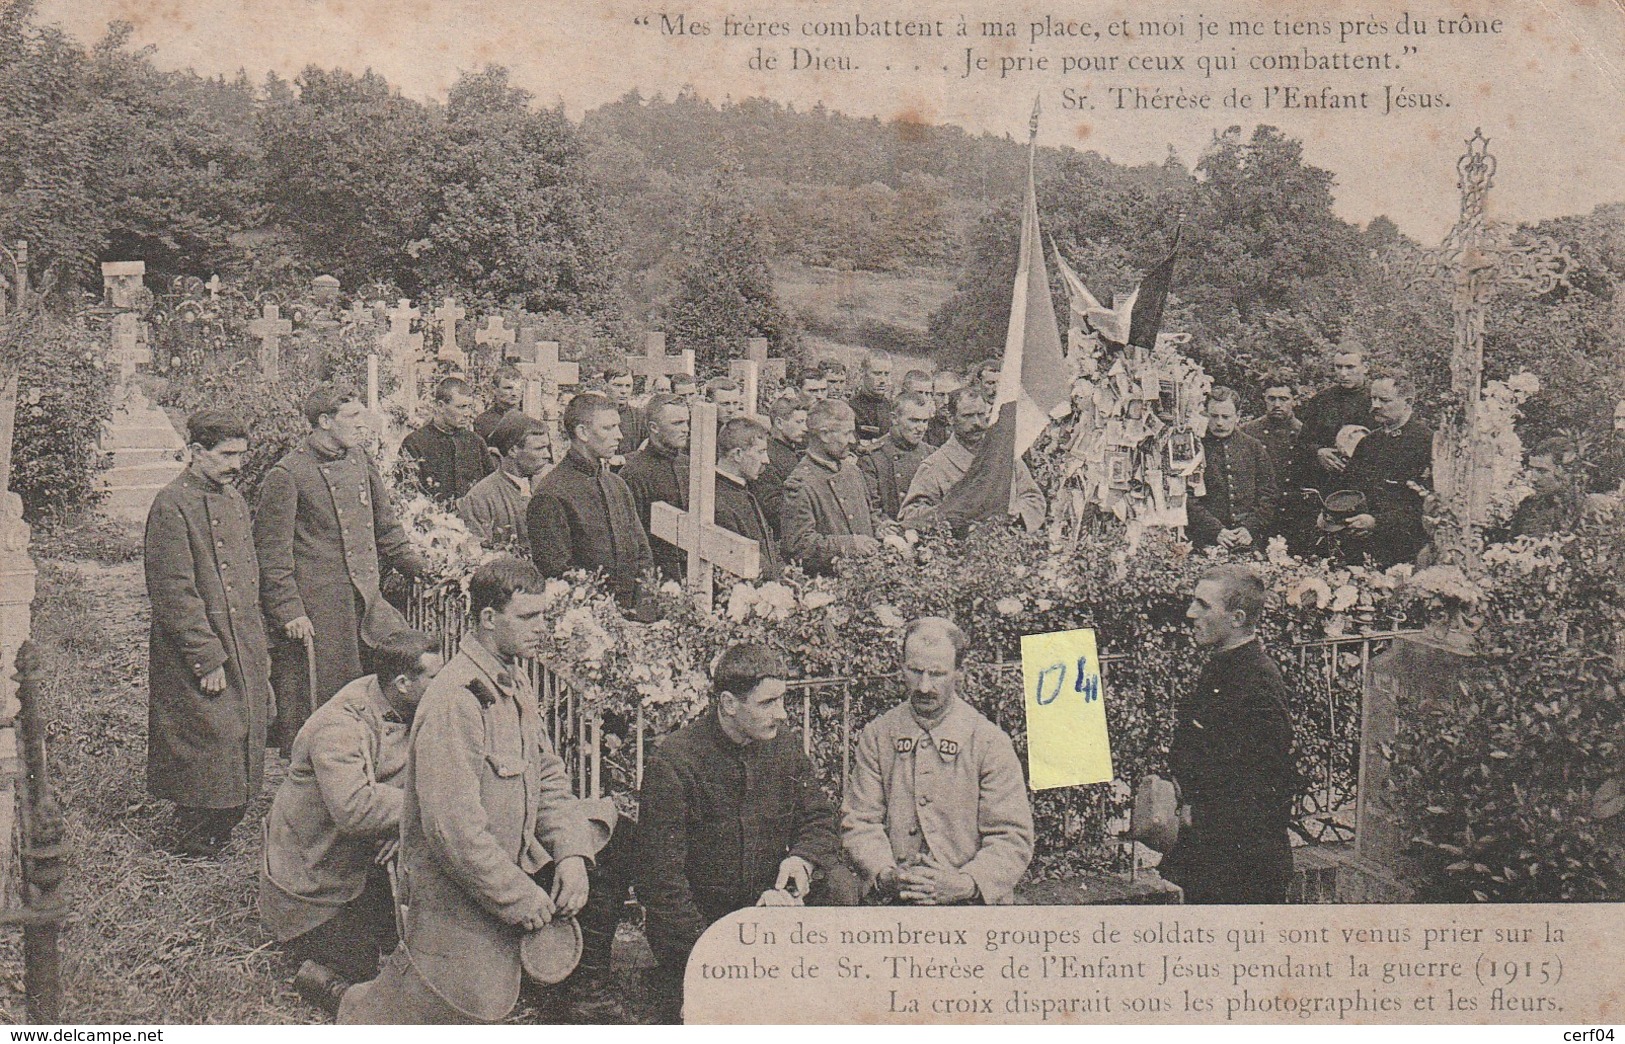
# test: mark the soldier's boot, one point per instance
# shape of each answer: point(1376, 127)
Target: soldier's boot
point(320, 986)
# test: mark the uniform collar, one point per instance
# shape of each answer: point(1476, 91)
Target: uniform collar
point(325, 456)
point(725, 477)
point(949, 736)
point(823, 462)
point(956, 452)
point(195, 479)
point(499, 673)
point(380, 703)
point(578, 460)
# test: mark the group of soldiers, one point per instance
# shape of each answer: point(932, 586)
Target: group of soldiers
point(425, 829)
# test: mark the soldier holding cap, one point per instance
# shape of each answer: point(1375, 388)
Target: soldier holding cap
point(936, 811)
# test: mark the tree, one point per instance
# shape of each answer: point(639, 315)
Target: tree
point(513, 217)
point(724, 293)
point(348, 173)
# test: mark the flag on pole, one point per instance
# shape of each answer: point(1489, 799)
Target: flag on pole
point(1150, 297)
point(1033, 380)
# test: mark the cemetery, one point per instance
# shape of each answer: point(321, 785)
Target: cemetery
point(1455, 720)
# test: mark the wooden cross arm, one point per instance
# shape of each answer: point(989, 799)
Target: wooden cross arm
point(718, 545)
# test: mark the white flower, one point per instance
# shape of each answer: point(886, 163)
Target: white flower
point(1344, 598)
point(671, 589)
point(1277, 552)
point(1009, 605)
point(1043, 605)
point(740, 600)
point(888, 616)
point(775, 600)
point(1310, 590)
point(817, 599)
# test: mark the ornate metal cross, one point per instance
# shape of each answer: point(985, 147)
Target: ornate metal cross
point(1478, 259)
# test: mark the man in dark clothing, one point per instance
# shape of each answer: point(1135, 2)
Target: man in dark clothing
point(581, 514)
point(1231, 755)
point(1558, 504)
point(1237, 508)
point(450, 456)
point(741, 456)
point(784, 448)
point(1393, 467)
point(1346, 402)
point(634, 422)
point(871, 403)
point(731, 813)
point(890, 465)
point(1280, 430)
point(323, 529)
point(827, 512)
point(209, 699)
point(659, 471)
point(507, 393)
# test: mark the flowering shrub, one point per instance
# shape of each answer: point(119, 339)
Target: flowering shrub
point(1499, 782)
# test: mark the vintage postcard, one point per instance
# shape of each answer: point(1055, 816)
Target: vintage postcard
point(950, 512)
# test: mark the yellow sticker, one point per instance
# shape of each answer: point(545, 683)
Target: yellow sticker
point(1067, 743)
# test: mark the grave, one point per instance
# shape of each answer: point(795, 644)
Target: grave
point(123, 284)
point(695, 530)
point(270, 328)
point(449, 314)
point(654, 362)
point(405, 347)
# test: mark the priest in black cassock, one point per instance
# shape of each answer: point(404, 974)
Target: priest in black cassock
point(1231, 756)
point(1393, 467)
point(659, 471)
point(741, 457)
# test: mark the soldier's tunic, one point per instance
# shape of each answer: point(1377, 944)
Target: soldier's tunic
point(871, 414)
point(494, 511)
point(582, 516)
point(1392, 469)
point(1323, 417)
point(738, 509)
point(782, 459)
point(943, 469)
point(320, 526)
point(955, 791)
point(889, 468)
point(340, 801)
point(204, 750)
point(1232, 758)
point(656, 473)
point(487, 804)
point(825, 506)
point(449, 462)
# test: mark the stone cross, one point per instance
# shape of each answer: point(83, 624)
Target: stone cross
point(406, 347)
point(495, 332)
point(745, 372)
point(696, 530)
point(1479, 258)
point(270, 329)
point(654, 361)
point(449, 314)
point(756, 351)
point(213, 286)
point(325, 289)
point(543, 371)
point(122, 283)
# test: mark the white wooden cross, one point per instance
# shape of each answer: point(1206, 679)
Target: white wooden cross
point(756, 351)
point(745, 372)
point(270, 328)
point(495, 332)
point(696, 530)
point(654, 361)
point(449, 314)
point(544, 372)
point(213, 286)
point(405, 346)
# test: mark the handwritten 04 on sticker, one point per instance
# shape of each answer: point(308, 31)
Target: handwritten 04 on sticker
point(1067, 743)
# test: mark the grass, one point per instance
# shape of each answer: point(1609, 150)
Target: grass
point(154, 938)
point(846, 311)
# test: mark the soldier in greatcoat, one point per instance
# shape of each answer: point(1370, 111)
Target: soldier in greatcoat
point(936, 811)
point(320, 526)
point(1231, 755)
point(493, 842)
point(827, 512)
point(889, 466)
point(210, 683)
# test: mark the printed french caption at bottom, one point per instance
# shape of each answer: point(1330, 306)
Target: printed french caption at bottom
point(1114, 964)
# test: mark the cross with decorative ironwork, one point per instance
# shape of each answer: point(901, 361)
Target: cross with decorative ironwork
point(1479, 258)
